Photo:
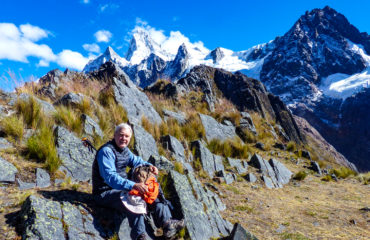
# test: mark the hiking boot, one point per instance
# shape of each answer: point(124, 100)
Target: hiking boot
point(141, 237)
point(171, 227)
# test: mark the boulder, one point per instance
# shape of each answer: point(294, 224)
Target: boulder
point(71, 99)
point(260, 146)
point(7, 171)
point(210, 162)
point(76, 158)
point(134, 101)
point(246, 122)
point(282, 173)
point(175, 147)
point(4, 144)
point(228, 177)
point(90, 127)
point(240, 233)
point(25, 185)
point(144, 145)
point(47, 219)
point(178, 116)
point(251, 177)
point(273, 171)
point(215, 130)
point(197, 206)
point(46, 107)
point(241, 166)
point(42, 178)
point(161, 163)
point(316, 167)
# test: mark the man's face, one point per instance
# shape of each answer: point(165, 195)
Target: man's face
point(122, 137)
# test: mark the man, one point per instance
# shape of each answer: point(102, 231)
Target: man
point(111, 184)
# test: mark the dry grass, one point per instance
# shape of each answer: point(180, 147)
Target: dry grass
point(328, 205)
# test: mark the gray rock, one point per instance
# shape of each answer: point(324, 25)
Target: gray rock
point(4, 144)
point(145, 145)
point(279, 146)
point(47, 219)
point(276, 172)
point(42, 178)
point(46, 107)
point(260, 145)
point(240, 233)
point(316, 167)
point(215, 130)
point(240, 167)
point(199, 210)
point(282, 173)
point(268, 182)
point(161, 163)
point(282, 133)
point(210, 162)
point(58, 181)
point(226, 176)
point(251, 177)
point(179, 116)
point(306, 154)
point(90, 127)
point(135, 102)
point(175, 147)
point(25, 185)
point(76, 158)
point(280, 229)
point(71, 99)
point(7, 171)
point(246, 122)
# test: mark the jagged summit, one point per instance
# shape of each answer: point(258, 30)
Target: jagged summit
point(108, 55)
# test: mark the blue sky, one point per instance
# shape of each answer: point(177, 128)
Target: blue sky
point(38, 36)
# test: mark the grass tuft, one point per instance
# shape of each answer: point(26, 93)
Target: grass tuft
point(13, 126)
point(30, 110)
point(300, 176)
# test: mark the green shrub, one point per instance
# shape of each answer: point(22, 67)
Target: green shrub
point(244, 208)
point(300, 176)
point(291, 146)
point(30, 110)
point(179, 167)
point(193, 129)
point(229, 148)
point(69, 118)
point(343, 172)
point(327, 178)
point(13, 126)
point(41, 146)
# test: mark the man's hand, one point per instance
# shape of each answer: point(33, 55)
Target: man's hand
point(154, 170)
point(141, 187)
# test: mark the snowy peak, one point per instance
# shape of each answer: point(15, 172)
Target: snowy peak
point(108, 55)
point(216, 55)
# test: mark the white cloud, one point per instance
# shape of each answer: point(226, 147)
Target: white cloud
point(33, 33)
point(91, 47)
point(71, 59)
point(18, 45)
point(85, 1)
point(103, 36)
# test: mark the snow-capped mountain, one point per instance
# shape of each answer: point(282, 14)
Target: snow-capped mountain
point(321, 63)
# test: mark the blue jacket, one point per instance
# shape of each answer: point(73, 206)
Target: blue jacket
point(109, 168)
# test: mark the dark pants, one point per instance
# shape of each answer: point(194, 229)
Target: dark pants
point(111, 199)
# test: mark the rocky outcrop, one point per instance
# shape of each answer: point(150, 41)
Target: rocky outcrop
point(46, 107)
point(240, 166)
point(7, 171)
point(245, 93)
point(90, 127)
point(71, 99)
point(47, 219)
point(215, 130)
point(50, 83)
point(42, 178)
point(239, 233)
point(178, 116)
point(198, 207)
point(275, 174)
point(161, 163)
point(76, 158)
point(144, 145)
point(135, 102)
point(173, 145)
point(4, 144)
point(210, 163)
